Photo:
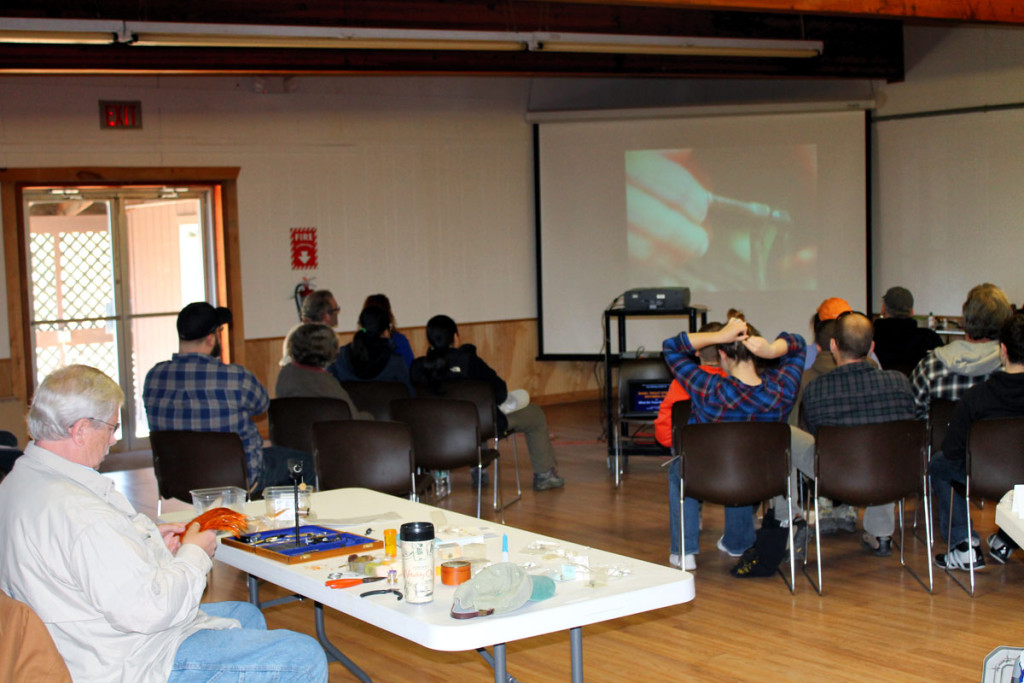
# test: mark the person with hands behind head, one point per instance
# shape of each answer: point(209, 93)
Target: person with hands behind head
point(750, 392)
point(120, 595)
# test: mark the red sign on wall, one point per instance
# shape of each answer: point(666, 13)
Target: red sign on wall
point(304, 249)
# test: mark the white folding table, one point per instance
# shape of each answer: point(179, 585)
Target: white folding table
point(576, 603)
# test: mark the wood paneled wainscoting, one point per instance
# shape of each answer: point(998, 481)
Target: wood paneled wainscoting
point(508, 346)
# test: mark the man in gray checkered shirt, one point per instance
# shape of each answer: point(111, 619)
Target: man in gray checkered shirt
point(950, 370)
point(857, 393)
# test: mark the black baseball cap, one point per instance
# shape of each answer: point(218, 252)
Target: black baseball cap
point(199, 319)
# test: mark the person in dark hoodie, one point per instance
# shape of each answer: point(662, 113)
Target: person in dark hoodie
point(1001, 395)
point(899, 343)
point(449, 359)
point(370, 356)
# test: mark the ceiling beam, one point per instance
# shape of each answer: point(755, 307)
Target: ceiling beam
point(972, 11)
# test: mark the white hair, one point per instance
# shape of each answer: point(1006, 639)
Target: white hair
point(69, 394)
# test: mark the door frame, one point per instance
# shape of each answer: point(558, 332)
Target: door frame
point(224, 184)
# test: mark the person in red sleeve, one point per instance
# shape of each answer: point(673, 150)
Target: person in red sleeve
point(676, 392)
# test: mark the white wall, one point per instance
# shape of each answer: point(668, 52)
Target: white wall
point(948, 205)
point(420, 188)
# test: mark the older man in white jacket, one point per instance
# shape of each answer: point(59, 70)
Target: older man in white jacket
point(120, 595)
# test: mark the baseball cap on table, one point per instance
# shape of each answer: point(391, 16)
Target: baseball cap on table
point(499, 588)
point(199, 319)
point(899, 300)
point(830, 309)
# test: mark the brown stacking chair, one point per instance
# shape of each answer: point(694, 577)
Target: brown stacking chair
point(872, 464)
point(292, 419)
point(940, 412)
point(995, 463)
point(481, 394)
point(375, 397)
point(736, 463)
point(183, 461)
point(446, 436)
point(27, 651)
point(680, 418)
point(372, 454)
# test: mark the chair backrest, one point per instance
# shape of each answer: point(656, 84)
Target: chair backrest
point(291, 419)
point(643, 369)
point(940, 412)
point(445, 431)
point(871, 464)
point(372, 454)
point(475, 390)
point(375, 397)
point(183, 461)
point(680, 418)
point(995, 456)
point(27, 651)
point(734, 463)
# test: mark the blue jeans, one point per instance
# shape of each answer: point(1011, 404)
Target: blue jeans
point(739, 521)
point(250, 654)
point(943, 472)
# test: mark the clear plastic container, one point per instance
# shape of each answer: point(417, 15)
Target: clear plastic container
point(281, 504)
point(231, 497)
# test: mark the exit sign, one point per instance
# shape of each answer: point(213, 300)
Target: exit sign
point(119, 115)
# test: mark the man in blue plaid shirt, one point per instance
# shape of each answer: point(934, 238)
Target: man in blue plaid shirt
point(195, 391)
point(857, 393)
point(747, 394)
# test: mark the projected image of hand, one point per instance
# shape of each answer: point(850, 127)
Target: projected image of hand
point(669, 196)
point(665, 207)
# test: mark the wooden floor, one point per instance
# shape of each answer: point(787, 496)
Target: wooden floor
point(873, 623)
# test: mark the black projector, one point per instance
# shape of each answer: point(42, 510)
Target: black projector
point(667, 299)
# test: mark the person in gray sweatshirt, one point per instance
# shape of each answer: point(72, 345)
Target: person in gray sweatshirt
point(950, 370)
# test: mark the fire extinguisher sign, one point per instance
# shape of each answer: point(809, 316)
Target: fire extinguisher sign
point(304, 249)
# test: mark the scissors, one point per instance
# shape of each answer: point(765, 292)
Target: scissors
point(347, 583)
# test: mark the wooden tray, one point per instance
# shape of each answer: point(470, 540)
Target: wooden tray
point(319, 543)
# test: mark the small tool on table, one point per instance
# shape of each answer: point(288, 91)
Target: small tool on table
point(347, 583)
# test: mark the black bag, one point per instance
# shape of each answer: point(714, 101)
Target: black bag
point(769, 549)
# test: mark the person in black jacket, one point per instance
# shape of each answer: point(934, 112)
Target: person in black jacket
point(449, 359)
point(1001, 395)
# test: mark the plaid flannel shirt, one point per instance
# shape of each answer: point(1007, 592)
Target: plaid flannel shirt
point(857, 394)
point(726, 399)
point(933, 379)
point(197, 392)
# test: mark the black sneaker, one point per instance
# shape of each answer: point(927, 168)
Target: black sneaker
point(548, 480)
point(479, 478)
point(881, 545)
point(999, 549)
point(960, 558)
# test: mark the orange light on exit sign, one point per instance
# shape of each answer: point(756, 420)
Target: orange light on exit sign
point(120, 115)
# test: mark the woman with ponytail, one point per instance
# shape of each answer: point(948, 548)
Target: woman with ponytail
point(370, 357)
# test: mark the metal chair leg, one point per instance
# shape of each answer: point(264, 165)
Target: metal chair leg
point(817, 543)
point(519, 487)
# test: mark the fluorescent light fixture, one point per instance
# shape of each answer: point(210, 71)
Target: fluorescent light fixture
point(314, 43)
point(671, 45)
point(177, 34)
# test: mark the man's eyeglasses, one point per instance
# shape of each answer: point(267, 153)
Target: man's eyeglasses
point(113, 427)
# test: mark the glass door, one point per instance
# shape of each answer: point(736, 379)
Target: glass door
point(109, 271)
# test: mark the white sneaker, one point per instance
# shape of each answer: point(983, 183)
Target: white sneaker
point(721, 546)
point(690, 561)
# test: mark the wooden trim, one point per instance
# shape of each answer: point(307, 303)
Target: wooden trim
point(989, 11)
point(17, 296)
point(13, 181)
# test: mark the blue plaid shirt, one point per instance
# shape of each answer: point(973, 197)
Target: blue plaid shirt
point(726, 399)
point(197, 392)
